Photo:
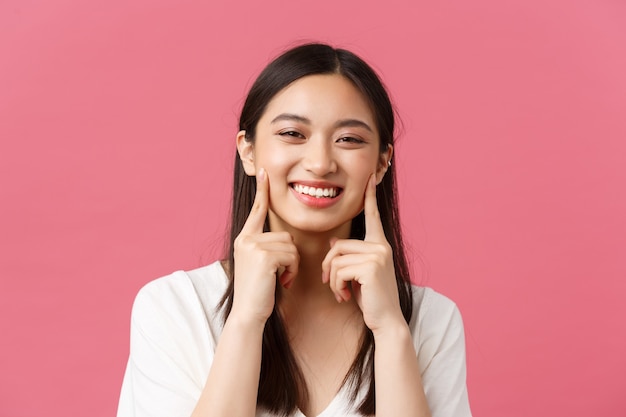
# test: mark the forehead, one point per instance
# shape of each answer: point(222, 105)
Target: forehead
point(322, 99)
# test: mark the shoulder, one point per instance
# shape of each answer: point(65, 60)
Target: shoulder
point(181, 287)
point(436, 323)
point(181, 298)
point(439, 340)
point(174, 330)
point(431, 307)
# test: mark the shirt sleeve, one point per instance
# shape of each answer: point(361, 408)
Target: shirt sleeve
point(440, 344)
point(170, 351)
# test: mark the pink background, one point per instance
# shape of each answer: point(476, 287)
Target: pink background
point(117, 127)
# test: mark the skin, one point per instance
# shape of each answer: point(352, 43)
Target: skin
point(319, 130)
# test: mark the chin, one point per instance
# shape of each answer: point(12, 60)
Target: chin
point(313, 222)
point(314, 227)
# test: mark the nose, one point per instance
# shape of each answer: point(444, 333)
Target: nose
point(319, 158)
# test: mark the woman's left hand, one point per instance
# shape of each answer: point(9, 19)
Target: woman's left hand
point(367, 267)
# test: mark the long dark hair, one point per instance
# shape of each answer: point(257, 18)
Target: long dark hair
point(281, 386)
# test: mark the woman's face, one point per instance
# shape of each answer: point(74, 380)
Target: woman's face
point(319, 144)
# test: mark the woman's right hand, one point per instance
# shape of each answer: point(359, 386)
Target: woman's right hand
point(261, 258)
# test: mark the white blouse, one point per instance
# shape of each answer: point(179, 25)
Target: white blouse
point(173, 339)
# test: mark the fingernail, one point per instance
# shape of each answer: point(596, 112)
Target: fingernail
point(261, 174)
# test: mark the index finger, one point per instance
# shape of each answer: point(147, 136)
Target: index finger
point(373, 227)
point(256, 219)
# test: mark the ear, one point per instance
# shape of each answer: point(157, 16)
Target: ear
point(384, 162)
point(246, 153)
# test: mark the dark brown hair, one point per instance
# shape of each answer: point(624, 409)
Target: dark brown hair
point(281, 386)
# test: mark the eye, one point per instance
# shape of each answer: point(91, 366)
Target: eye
point(350, 139)
point(291, 133)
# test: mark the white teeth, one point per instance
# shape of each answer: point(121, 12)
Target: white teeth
point(315, 192)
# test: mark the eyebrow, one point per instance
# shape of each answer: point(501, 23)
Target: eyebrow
point(290, 117)
point(304, 120)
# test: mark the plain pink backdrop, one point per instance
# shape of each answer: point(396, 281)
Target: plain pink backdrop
point(117, 127)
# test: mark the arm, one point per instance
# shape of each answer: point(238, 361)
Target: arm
point(173, 351)
point(232, 384)
point(399, 389)
point(365, 270)
point(437, 333)
point(408, 383)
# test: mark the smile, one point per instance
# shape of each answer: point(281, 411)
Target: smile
point(331, 192)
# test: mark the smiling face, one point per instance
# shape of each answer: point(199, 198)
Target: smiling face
point(319, 144)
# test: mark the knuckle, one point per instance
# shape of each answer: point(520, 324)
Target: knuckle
point(256, 207)
point(257, 204)
point(239, 243)
point(243, 241)
point(377, 258)
point(384, 249)
point(293, 258)
point(264, 257)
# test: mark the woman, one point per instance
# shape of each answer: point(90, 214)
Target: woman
point(313, 312)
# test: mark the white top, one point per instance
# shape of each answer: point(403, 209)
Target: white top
point(173, 339)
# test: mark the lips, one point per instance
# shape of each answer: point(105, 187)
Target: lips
point(317, 191)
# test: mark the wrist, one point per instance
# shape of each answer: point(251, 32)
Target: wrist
point(394, 332)
point(247, 323)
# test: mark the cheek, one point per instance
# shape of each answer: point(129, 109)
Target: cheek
point(277, 165)
point(361, 168)
point(272, 162)
point(273, 156)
